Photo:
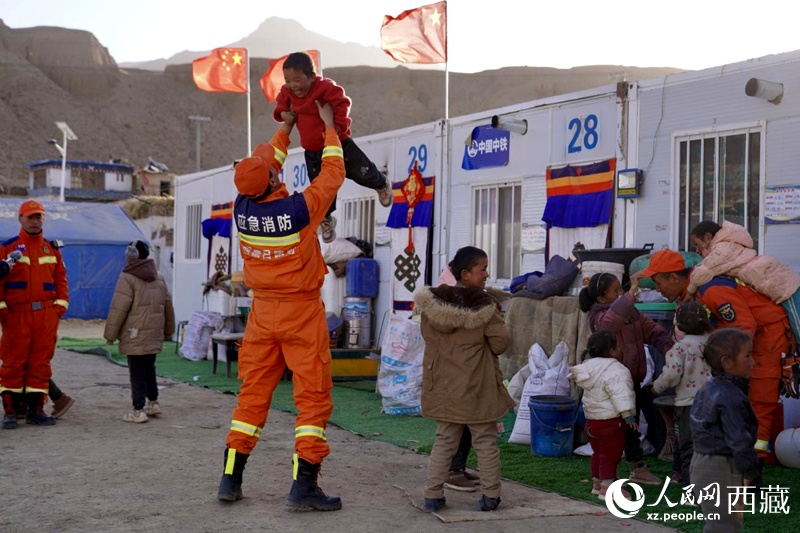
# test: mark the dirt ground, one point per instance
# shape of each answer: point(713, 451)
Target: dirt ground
point(81, 329)
point(94, 472)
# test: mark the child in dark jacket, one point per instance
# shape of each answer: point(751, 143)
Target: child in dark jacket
point(462, 385)
point(303, 87)
point(609, 307)
point(724, 430)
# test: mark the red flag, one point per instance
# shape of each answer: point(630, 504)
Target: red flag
point(223, 71)
point(273, 80)
point(417, 35)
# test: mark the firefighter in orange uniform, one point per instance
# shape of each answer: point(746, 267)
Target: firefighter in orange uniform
point(287, 325)
point(735, 305)
point(33, 298)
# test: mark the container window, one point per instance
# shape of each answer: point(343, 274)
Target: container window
point(358, 220)
point(720, 179)
point(496, 214)
point(193, 231)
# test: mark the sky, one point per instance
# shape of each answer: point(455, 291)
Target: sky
point(688, 34)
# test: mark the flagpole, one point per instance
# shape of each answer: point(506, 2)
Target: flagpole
point(446, 71)
point(249, 128)
point(446, 92)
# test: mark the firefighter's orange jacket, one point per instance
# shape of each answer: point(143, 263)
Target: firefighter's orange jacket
point(277, 235)
point(39, 276)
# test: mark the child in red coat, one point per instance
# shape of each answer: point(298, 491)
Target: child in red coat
point(296, 99)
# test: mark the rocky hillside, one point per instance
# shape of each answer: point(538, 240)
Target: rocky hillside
point(54, 74)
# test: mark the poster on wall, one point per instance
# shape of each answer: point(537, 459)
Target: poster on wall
point(533, 238)
point(782, 205)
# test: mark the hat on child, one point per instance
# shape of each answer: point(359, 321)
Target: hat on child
point(30, 207)
point(137, 250)
point(251, 175)
point(664, 262)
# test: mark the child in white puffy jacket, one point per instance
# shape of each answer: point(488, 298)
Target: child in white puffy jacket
point(609, 406)
point(686, 369)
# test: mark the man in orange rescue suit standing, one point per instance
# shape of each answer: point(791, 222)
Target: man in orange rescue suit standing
point(33, 298)
point(286, 326)
point(734, 305)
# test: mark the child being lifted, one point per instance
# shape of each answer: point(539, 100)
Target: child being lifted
point(296, 99)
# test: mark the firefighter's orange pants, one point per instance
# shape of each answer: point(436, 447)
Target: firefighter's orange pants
point(27, 347)
point(282, 333)
point(765, 381)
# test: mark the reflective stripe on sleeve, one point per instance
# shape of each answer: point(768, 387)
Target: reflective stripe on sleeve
point(280, 157)
point(332, 151)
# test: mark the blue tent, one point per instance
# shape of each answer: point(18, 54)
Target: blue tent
point(95, 236)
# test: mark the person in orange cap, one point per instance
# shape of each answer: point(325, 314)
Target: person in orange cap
point(286, 326)
point(33, 298)
point(733, 304)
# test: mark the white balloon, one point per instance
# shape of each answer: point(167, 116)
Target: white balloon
point(787, 447)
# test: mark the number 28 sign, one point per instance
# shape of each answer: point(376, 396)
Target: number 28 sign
point(587, 133)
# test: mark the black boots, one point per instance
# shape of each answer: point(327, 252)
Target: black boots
point(36, 414)
point(305, 493)
point(230, 486)
point(10, 407)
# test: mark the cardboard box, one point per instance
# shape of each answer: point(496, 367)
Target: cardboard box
point(237, 276)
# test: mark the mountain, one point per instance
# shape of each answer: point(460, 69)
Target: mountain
point(53, 74)
point(276, 37)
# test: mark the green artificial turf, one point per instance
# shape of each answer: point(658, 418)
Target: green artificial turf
point(357, 408)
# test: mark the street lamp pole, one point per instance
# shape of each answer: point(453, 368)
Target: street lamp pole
point(63, 169)
point(69, 135)
point(197, 120)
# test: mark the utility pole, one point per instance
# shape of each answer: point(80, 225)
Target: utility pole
point(197, 120)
